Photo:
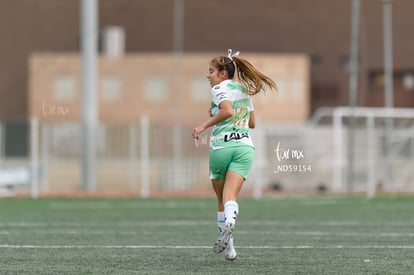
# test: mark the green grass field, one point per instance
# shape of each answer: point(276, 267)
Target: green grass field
point(322, 235)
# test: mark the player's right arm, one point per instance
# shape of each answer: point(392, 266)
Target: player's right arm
point(225, 112)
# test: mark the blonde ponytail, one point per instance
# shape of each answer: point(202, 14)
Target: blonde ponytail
point(254, 80)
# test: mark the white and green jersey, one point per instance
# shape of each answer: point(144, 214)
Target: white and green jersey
point(233, 131)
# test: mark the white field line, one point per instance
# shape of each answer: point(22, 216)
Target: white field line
point(204, 222)
point(321, 233)
point(108, 205)
point(266, 247)
point(87, 232)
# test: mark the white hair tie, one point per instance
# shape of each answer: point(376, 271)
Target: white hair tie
point(230, 54)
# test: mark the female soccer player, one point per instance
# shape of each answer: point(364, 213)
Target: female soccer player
point(231, 147)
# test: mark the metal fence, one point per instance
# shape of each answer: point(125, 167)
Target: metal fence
point(141, 159)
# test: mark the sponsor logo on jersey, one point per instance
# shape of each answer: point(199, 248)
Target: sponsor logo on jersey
point(235, 136)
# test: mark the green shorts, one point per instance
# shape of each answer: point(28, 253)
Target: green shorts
point(237, 159)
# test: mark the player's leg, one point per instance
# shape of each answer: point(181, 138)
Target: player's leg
point(228, 170)
point(231, 190)
point(219, 160)
point(236, 175)
point(237, 172)
point(232, 187)
point(229, 251)
point(218, 186)
point(227, 191)
point(223, 240)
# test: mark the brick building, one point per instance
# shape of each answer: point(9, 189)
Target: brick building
point(148, 84)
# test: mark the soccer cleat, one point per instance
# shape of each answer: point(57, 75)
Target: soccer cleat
point(230, 253)
point(223, 239)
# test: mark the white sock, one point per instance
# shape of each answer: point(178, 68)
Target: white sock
point(221, 224)
point(231, 210)
point(220, 220)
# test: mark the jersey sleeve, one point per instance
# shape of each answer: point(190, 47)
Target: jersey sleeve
point(219, 94)
point(251, 104)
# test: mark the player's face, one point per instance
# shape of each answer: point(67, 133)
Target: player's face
point(215, 76)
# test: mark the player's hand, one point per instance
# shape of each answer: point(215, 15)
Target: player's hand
point(197, 131)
